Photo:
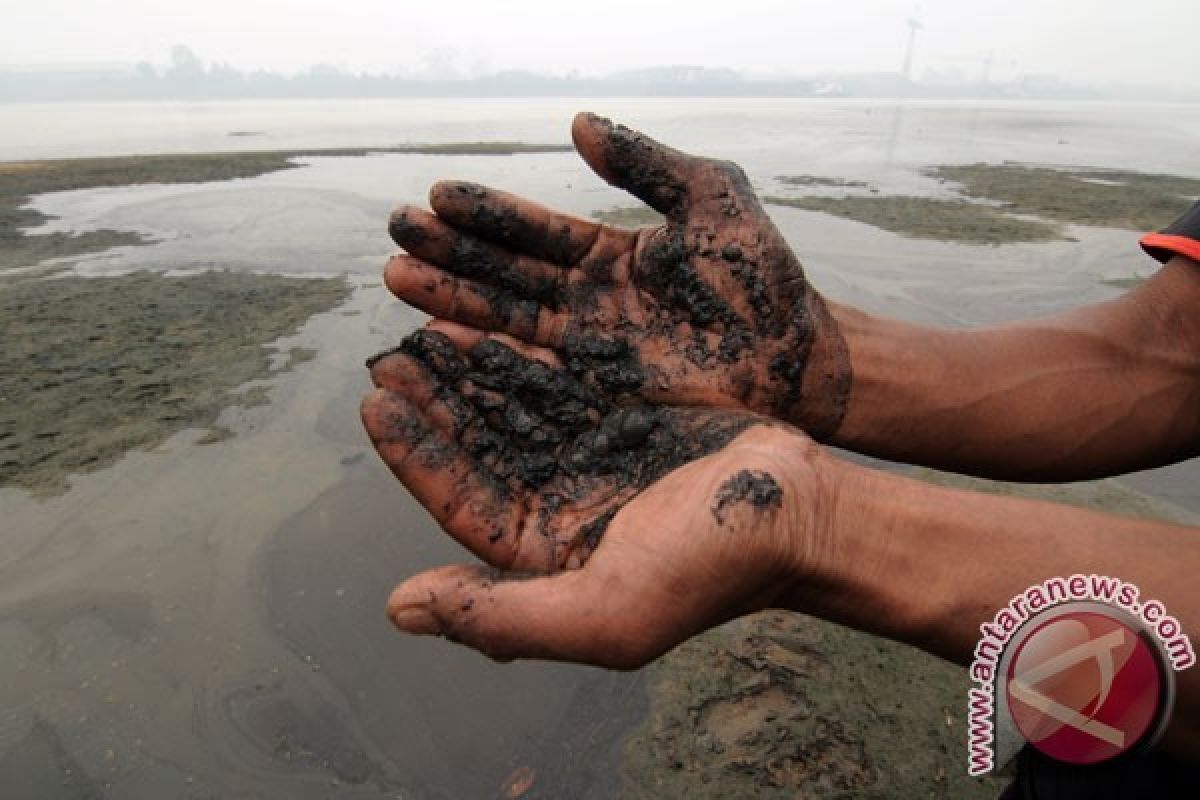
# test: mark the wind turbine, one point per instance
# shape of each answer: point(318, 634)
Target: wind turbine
point(914, 25)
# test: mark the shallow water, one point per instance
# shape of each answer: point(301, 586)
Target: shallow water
point(208, 620)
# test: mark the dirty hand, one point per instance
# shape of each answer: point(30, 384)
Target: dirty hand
point(612, 533)
point(711, 308)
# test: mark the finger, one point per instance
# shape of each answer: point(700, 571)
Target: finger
point(430, 239)
point(480, 305)
point(423, 455)
point(537, 399)
point(569, 616)
point(656, 174)
point(513, 222)
point(465, 339)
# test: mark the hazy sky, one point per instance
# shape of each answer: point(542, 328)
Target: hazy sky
point(1137, 41)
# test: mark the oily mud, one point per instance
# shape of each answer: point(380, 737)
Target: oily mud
point(96, 367)
point(538, 436)
point(755, 488)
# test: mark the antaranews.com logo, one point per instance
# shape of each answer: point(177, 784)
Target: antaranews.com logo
point(1079, 667)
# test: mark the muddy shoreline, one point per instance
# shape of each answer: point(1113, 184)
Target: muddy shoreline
point(776, 705)
point(22, 180)
point(95, 367)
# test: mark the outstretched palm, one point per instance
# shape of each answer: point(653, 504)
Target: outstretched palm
point(711, 308)
point(530, 469)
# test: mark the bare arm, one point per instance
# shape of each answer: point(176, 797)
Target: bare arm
point(1100, 390)
point(928, 565)
point(704, 515)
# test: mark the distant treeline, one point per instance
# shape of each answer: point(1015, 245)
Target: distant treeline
point(187, 77)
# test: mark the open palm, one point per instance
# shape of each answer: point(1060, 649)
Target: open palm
point(612, 532)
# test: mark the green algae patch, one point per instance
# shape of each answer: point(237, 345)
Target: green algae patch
point(1105, 198)
point(821, 180)
point(930, 218)
point(95, 367)
point(629, 216)
point(1008, 203)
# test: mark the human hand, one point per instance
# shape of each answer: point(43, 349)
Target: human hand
point(711, 308)
point(612, 533)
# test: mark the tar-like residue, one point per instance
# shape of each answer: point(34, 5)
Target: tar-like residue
point(533, 429)
point(755, 488)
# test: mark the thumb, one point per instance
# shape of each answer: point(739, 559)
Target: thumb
point(654, 173)
point(568, 616)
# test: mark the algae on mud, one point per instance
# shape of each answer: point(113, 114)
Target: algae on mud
point(821, 180)
point(95, 367)
point(1106, 198)
point(21, 180)
point(629, 216)
point(929, 218)
point(1006, 203)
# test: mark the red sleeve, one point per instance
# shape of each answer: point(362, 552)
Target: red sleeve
point(1181, 237)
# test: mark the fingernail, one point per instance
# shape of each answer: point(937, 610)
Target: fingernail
point(380, 356)
point(418, 620)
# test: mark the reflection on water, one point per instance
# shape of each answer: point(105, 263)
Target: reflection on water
point(202, 621)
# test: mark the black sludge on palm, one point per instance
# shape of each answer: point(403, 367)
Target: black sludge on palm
point(533, 429)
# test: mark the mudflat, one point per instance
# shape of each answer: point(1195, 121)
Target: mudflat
point(1006, 203)
point(20, 180)
point(95, 367)
point(220, 606)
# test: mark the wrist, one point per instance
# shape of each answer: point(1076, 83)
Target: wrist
point(864, 559)
point(824, 387)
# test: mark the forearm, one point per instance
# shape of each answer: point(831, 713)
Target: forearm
point(1101, 390)
point(928, 565)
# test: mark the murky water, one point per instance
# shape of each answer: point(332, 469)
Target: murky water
point(207, 621)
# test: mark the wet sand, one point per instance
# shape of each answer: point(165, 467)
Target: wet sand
point(207, 620)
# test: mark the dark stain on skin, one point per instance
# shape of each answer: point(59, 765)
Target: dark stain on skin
point(756, 488)
point(505, 225)
point(538, 435)
point(403, 229)
point(482, 261)
point(642, 169)
point(668, 273)
point(716, 294)
point(611, 363)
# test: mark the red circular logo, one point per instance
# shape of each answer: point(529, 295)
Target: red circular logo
point(1084, 687)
